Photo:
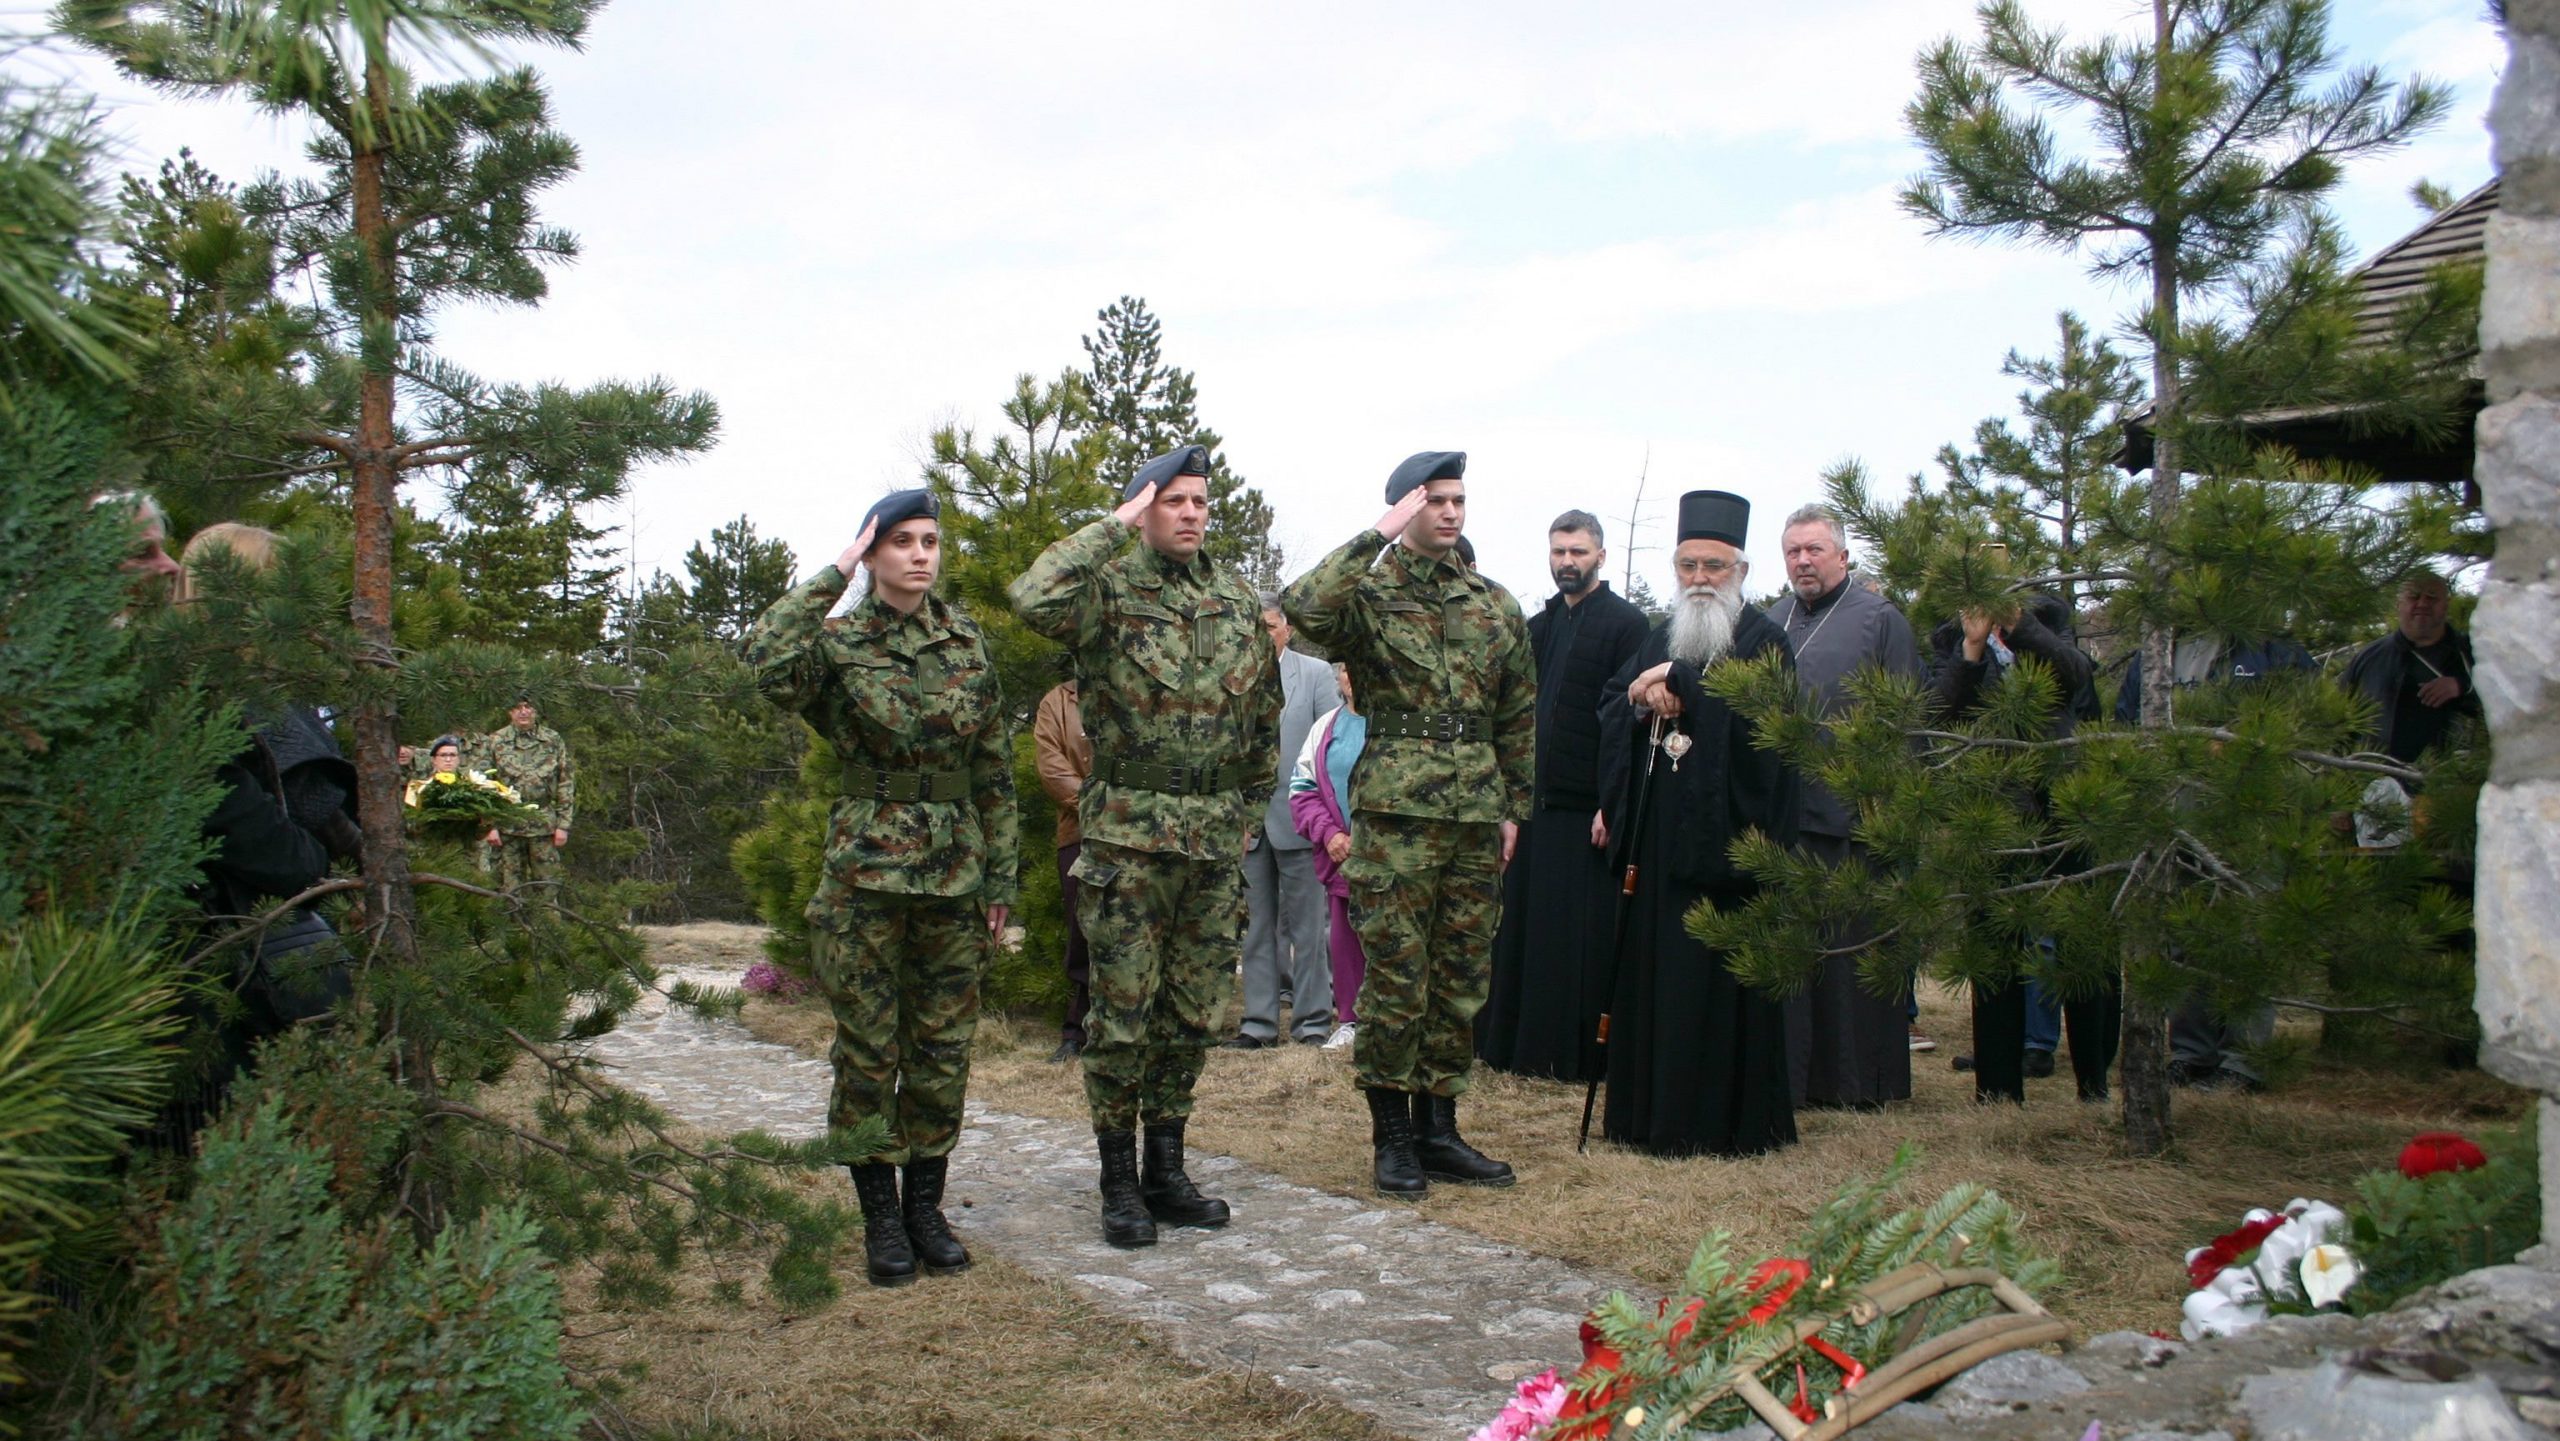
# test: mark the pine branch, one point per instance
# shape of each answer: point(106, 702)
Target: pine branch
point(1960, 743)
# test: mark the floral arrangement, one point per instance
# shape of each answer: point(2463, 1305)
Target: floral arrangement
point(468, 802)
point(1676, 1360)
point(2450, 1206)
point(764, 978)
point(2274, 1257)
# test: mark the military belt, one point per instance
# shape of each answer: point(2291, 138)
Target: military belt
point(864, 783)
point(1177, 780)
point(1430, 726)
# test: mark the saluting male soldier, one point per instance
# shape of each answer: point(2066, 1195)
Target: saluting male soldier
point(530, 757)
point(921, 854)
point(1441, 661)
point(1181, 697)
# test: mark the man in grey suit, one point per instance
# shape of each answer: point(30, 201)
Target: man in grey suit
point(1284, 934)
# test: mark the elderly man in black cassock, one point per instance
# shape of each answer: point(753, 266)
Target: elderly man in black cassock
point(1550, 958)
point(1696, 1062)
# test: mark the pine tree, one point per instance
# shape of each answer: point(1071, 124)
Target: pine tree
point(2211, 143)
point(422, 199)
point(2062, 470)
point(539, 579)
point(735, 577)
point(1141, 408)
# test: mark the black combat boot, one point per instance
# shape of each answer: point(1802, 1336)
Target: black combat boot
point(1399, 1173)
point(1171, 1198)
point(886, 1256)
point(1125, 1221)
point(939, 1250)
point(1445, 1156)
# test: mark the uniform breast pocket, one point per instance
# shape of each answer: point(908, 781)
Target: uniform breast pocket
point(1248, 652)
point(1158, 640)
point(1410, 632)
point(960, 695)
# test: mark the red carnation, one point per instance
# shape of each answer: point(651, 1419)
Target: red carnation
point(2229, 1249)
point(2433, 1151)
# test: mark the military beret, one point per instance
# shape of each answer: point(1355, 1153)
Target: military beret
point(440, 742)
point(1166, 468)
point(1714, 515)
point(1424, 468)
point(902, 505)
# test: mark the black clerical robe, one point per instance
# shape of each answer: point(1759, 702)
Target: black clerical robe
point(1696, 1062)
point(1550, 961)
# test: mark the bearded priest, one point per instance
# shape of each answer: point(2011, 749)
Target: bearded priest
point(1696, 1062)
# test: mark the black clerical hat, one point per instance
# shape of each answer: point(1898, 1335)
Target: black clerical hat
point(1167, 468)
point(1714, 515)
point(901, 505)
point(1424, 468)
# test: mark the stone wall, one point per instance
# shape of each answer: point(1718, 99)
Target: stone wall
point(2518, 625)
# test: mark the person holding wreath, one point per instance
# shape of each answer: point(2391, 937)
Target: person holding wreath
point(921, 852)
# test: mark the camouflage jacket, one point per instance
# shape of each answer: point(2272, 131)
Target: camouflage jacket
point(1435, 637)
point(1174, 669)
point(535, 764)
point(901, 694)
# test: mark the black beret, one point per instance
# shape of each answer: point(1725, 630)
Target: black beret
point(1714, 515)
point(1167, 468)
point(1424, 468)
point(900, 505)
point(440, 742)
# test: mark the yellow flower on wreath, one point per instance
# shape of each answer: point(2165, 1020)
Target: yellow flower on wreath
point(409, 794)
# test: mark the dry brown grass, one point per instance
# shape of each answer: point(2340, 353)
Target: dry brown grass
point(993, 1354)
point(2118, 1226)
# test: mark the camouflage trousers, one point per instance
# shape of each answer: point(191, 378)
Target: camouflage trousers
point(901, 974)
point(515, 860)
point(1164, 932)
point(1426, 897)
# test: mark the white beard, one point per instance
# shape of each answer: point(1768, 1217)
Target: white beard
point(1702, 624)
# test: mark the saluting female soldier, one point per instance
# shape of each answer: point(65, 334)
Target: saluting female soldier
point(921, 850)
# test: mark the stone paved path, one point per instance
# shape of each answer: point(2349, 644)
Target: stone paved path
point(1424, 1326)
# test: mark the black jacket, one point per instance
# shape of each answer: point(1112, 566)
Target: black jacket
point(1609, 628)
point(1957, 684)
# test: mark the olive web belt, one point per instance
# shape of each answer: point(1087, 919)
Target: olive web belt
point(1430, 726)
point(862, 782)
point(1176, 780)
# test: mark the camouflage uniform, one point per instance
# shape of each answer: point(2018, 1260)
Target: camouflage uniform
point(1176, 673)
point(1425, 638)
point(898, 928)
point(535, 763)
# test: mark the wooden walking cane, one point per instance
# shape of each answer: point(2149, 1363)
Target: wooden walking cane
point(1597, 1065)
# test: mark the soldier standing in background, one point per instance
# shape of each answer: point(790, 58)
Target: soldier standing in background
point(1440, 659)
point(532, 759)
point(921, 854)
point(1181, 698)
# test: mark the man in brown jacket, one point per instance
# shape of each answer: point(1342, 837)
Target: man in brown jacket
point(1064, 757)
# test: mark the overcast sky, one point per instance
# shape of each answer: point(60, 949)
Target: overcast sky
point(1573, 241)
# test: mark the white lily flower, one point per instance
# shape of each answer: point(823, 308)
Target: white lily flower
point(2327, 1271)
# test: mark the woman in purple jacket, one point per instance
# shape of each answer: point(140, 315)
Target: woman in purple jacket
point(1316, 786)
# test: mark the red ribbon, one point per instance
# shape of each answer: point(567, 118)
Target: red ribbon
point(1774, 1281)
